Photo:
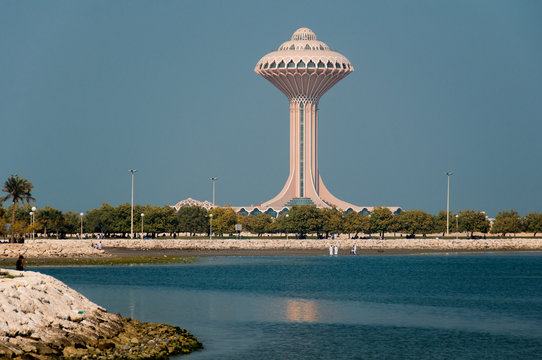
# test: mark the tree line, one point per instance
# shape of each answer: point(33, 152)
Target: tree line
point(114, 221)
point(18, 219)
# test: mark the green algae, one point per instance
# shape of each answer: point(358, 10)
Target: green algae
point(106, 261)
point(5, 275)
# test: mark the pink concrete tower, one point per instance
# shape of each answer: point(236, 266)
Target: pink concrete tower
point(304, 69)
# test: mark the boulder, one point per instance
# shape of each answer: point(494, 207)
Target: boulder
point(43, 318)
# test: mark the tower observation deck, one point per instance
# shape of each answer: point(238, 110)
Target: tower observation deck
point(304, 68)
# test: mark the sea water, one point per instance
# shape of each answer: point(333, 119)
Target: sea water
point(482, 306)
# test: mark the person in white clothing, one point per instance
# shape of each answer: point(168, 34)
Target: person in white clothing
point(330, 250)
point(336, 250)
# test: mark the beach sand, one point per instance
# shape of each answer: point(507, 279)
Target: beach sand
point(134, 253)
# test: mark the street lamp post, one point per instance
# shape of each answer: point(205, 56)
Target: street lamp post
point(142, 216)
point(32, 223)
point(33, 218)
point(132, 212)
point(456, 226)
point(81, 234)
point(213, 179)
point(211, 227)
point(448, 173)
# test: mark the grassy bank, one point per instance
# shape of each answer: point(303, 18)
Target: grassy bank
point(102, 261)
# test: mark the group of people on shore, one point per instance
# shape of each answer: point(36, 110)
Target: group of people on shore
point(334, 250)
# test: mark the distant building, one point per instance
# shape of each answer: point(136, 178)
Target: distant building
point(191, 202)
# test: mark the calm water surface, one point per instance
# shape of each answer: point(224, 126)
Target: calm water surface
point(383, 307)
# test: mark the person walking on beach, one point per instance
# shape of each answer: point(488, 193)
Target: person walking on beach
point(330, 250)
point(19, 265)
point(336, 250)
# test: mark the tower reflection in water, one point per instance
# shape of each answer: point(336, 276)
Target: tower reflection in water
point(301, 310)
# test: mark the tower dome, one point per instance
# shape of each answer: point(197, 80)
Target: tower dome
point(304, 66)
point(304, 34)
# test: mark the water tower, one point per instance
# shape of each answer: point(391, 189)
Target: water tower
point(304, 69)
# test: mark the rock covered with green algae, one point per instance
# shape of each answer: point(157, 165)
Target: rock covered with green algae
point(42, 318)
point(137, 340)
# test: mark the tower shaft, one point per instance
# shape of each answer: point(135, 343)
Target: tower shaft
point(304, 184)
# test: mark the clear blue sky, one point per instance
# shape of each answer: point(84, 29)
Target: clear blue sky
point(90, 89)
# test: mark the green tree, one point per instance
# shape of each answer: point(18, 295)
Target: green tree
point(396, 225)
point(257, 224)
point(171, 223)
point(533, 222)
point(332, 220)
point(156, 219)
point(473, 221)
point(22, 220)
point(22, 214)
point(416, 222)
point(355, 223)
point(193, 220)
point(52, 220)
point(3, 230)
point(380, 220)
point(121, 216)
point(304, 219)
point(71, 223)
point(3, 212)
point(507, 222)
point(439, 222)
point(224, 220)
point(282, 224)
point(99, 220)
point(19, 190)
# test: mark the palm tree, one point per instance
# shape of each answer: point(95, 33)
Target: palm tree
point(18, 189)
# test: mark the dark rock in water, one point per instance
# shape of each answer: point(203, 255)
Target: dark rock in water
point(134, 340)
point(138, 340)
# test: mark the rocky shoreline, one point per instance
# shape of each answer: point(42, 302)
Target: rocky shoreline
point(42, 318)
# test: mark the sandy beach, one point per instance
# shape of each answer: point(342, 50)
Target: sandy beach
point(134, 253)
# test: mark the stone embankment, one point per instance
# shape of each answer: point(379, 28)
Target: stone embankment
point(51, 249)
point(323, 244)
point(42, 318)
